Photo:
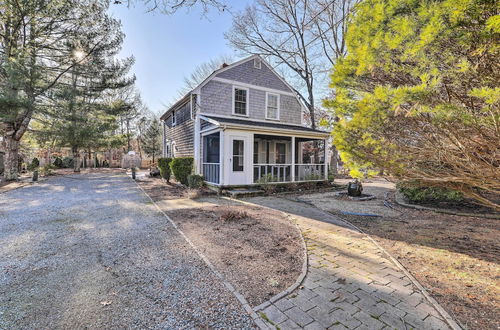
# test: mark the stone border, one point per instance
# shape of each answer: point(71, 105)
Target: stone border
point(246, 306)
point(305, 263)
point(400, 201)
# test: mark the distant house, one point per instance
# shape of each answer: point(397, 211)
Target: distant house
point(243, 126)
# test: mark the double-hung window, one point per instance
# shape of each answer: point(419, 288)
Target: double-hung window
point(240, 106)
point(272, 106)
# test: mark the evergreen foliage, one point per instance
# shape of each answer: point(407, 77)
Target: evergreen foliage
point(151, 140)
point(195, 181)
point(418, 95)
point(164, 166)
point(181, 168)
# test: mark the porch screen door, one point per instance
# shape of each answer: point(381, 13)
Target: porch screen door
point(238, 164)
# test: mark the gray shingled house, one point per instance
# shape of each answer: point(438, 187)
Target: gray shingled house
point(243, 126)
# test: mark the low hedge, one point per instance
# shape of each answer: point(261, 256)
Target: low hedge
point(164, 166)
point(195, 181)
point(181, 168)
point(418, 194)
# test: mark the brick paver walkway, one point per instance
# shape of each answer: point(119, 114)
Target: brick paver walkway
point(350, 283)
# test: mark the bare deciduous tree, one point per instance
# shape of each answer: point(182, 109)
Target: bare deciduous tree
point(302, 38)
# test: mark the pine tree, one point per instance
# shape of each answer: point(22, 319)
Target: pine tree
point(83, 105)
point(33, 57)
point(418, 94)
point(151, 141)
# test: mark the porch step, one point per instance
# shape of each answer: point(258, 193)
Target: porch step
point(243, 192)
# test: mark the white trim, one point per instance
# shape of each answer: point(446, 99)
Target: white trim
point(265, 89)
point(211, 121)
point(249, 119)
point(210, 131)
point(197, 152)
point(291, 131)
point(277, 104)
point(247, 101)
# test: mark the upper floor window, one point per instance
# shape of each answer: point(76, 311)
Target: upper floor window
point(174, 120)
point(257, 63)
point(272, 106)
point(240, 106)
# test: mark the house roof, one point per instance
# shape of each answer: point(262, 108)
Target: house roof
point(219, 70)
point(263, 125)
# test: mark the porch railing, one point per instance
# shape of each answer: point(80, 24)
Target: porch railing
point(264, 173)
point(309, 172)
point(211, 172)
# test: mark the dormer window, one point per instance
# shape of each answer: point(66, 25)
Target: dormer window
point(173, 118)
point(257, 63)
point(240, 101)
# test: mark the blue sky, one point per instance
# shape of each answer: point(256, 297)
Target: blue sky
point(167, 47)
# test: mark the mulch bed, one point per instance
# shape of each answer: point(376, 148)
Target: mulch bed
point(158, 189)
point(261, 253)
point(455, 257)
point(258, 250)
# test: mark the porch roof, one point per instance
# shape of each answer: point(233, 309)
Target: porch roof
point(265, 126)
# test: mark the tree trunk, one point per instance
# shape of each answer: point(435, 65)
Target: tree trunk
point(76, 159)
point(11, 158)
point(333, 160)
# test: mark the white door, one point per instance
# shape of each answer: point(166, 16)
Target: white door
point(238, 159)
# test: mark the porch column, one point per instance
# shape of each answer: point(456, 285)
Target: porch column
point(221, 157)
point(326, 157)
point(197, 145)
point(293, 158)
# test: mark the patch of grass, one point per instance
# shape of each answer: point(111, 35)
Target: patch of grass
point(265, 318)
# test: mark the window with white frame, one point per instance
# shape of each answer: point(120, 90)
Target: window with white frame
point(272, 106)
point(174, 120)
point(240, 106)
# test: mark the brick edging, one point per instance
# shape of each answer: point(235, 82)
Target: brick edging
point(246, 306)
point(305, 263)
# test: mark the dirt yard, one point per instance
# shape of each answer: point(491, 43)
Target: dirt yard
point(258, 250)
point(455, 258)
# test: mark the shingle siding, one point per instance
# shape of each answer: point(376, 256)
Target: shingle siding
point(217, 98)
point(245, 72)
point(182, 133)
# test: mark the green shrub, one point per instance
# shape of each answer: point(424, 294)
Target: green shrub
point(46, 170)
point(266, 184)
point(58, 163)
point(164, 166)
point(195, 181)
point(418, 194)
point(35, 163)
point(181, 168)
point(67, 162)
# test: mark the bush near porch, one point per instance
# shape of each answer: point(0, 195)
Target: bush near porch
point(181, 168)
point(164, 166)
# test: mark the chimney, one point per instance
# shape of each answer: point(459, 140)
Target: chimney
point(224, 65)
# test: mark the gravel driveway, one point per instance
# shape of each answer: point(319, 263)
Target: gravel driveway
point(91, 251)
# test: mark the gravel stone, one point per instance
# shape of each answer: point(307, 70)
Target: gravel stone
point(92, 251)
